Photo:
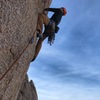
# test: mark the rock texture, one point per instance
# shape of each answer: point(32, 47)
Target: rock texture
point(27, 91)
point(18, 22)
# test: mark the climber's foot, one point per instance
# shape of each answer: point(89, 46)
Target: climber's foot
point(39, 35)
point(33, 59)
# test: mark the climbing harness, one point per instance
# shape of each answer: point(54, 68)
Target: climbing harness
point(50, 32)
point(50, 28)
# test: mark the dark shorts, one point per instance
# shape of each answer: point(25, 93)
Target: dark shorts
point(50, 28)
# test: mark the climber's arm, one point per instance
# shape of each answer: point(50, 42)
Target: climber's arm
point(52, 9)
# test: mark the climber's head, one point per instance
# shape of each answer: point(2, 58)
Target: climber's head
point(64, 11)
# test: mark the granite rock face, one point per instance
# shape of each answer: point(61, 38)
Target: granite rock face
point(18, 22)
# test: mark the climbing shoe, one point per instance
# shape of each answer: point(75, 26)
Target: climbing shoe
point(39, 35)
point(33, 59)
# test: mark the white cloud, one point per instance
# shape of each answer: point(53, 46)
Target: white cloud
point(50, 89)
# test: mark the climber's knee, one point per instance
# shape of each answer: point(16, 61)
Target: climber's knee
point(45, 19)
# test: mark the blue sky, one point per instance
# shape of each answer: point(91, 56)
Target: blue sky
point(70, 68)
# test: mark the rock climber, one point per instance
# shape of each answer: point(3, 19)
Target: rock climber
point(51, 27)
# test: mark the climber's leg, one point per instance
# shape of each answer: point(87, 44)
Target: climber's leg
point(42, 19)
point(40, 23)
point(38, 47)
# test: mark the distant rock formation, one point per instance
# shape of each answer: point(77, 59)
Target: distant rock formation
point(27, 91)
point(18, 21)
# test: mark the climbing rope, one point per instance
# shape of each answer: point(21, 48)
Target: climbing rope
point(17, 58)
